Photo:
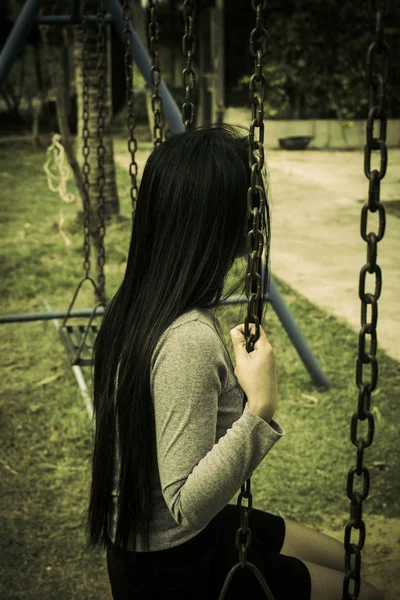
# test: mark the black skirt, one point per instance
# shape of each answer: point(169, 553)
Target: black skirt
point(196, 570)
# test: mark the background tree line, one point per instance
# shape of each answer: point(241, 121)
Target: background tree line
point(315, 63)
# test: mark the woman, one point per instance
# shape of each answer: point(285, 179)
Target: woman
point(172, 446)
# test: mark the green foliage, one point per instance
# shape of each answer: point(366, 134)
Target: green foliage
point(320, 48)
point(314, 65)
point(276, 102)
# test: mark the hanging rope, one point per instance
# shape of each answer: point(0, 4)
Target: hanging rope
point(55, 158)
point(58, 172)
point(55, 154)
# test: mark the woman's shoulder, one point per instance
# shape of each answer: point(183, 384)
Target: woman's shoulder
point(193, 341)
point(197, 323)
point(193, 331)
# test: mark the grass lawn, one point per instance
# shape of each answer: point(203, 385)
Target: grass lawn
point(46, 435)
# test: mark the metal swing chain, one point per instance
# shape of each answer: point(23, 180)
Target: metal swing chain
point(376, 83)
point(189, 75)
point(76, 358)
point(257, 91)
point(130, 99)
point(159, 124)
point(85, 148)
point(101, 150)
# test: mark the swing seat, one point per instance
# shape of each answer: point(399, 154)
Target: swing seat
point(72, 337)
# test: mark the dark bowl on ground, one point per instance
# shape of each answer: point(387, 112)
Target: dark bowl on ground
point(295, 142)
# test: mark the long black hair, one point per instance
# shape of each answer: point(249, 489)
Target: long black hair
point(189, 226)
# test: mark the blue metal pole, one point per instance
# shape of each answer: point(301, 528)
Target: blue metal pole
point(17, 38)
point(293, 330)
point(297, 338)
point(47, 316)
point(140, 56)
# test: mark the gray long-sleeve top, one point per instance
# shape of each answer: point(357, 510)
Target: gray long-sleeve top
point(205, 447)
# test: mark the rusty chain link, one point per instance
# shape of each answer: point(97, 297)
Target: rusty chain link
point(130, 100)
point(101, 150)
point(189, 75)
point(376, 83)
point(76, 343)
point(85, 148)
point(255, 245)
point(156, 101)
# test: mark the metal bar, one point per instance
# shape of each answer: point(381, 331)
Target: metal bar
point(17, 38)
point(76, 336)
point(140, 55)
point(297, 338)
point(72, 336)
point(274, 297)
point(91, 336)
point(68, 19)
point(77, 371)
point(47, 316)
point(68, 343)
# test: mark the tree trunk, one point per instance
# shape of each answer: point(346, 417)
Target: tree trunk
point(66, 70)
point(339, 115)
point(38, 68)
point(35, 105)
point(218, 61)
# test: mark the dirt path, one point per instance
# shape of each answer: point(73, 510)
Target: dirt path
point(315, 198)
point(380, 557)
